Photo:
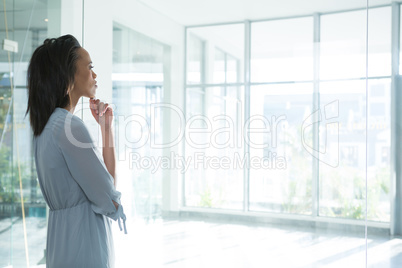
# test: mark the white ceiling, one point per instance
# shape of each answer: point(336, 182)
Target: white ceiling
point(196, 12)
point(191, 12)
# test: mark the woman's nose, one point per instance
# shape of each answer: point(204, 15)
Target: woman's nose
point(94, 74)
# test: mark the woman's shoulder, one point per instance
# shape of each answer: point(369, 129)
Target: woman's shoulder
point(65, 125)
point(62, 117)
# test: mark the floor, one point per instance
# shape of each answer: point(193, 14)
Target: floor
point(12, 241)
point(196, 243)
point(178, 244)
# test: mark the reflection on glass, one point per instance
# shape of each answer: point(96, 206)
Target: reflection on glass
point(343, 138)
point(212, 146)
point(281, 176)
point(138, 76)
point(219, 67)
point(17, 165)
point(343, 44)
point(232, 70)
point(282, 50)
point(215, 54)
point(195, 54)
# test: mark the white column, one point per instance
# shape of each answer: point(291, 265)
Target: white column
point(247, 56)
point(396, 127)
point(316, 106)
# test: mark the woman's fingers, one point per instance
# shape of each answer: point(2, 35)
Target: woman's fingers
point(93, 104)
point(97, 102)
point(104, 108)
point(99, 107)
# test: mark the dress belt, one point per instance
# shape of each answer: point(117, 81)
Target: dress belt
point(80, 204)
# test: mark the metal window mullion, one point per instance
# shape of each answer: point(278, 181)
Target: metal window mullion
point(247, 46)
point(396, 144)
point(225, 60)
point(83, 45)
point(288, 82)
point(203, 67)
point(183, 177)
point(203, 71)
point(226, 80)
point(316, 105)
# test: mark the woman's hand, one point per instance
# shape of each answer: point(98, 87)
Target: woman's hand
point(102, 113)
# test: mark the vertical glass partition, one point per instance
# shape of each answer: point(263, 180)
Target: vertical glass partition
point(342, 70)
point(282, 58)
point(139, 66)
point(22, 207)
point(214, 112)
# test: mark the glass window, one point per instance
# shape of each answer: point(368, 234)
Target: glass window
point(232, 70)
point(212, 147)
point(138, 76)
point(219, 73)
point(19, 187)
point(195, 56)
point(343, 149)
point(215, 54)
point(282, 50)
point(343, 44)
point(379, 43)
point(280, 166)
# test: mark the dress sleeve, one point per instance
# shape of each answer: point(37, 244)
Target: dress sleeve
point(87, 167)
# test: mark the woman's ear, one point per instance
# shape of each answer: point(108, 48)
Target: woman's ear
point(68, 93)
point(70, 89)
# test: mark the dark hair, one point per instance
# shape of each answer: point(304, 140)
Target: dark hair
point(50, 74)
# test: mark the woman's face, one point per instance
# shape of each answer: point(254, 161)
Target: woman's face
point(84, 79)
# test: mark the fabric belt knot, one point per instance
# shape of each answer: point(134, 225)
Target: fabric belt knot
point(123, 217)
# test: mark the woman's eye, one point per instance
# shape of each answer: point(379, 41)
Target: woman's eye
point(91, 67)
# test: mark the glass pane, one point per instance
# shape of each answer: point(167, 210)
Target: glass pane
point(219, 67)
point(343, 147)
point(205, 49)
point(138, 77)
point(379, 43)
point(343, 44)
point(194, 178)
point(400, 42)
point(232, 70)
point(379, 150)
point(212, 148)
point(19, 186)
point(282, 50)
point(195, 54)
point(281, 176)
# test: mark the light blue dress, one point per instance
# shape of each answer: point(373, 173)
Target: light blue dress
point(79, 191)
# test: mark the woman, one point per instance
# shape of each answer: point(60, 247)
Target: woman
point(76, 182)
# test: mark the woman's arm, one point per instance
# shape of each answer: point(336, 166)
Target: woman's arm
point(103, 115)
point(109, 156)
point(90, 172)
